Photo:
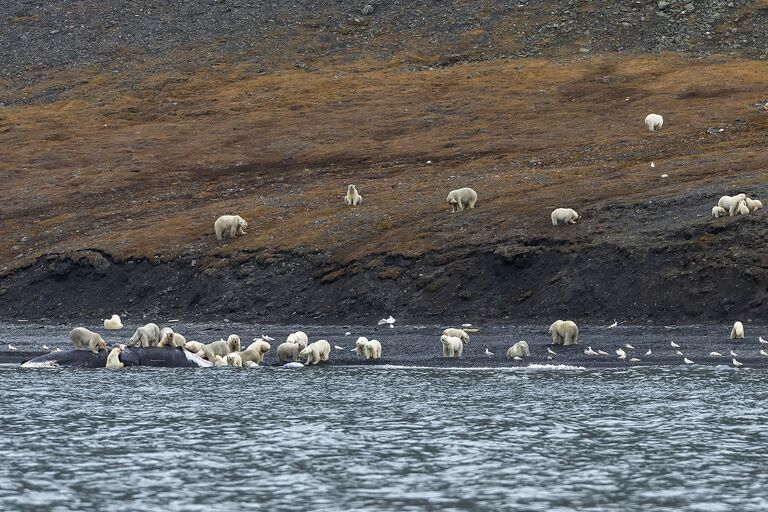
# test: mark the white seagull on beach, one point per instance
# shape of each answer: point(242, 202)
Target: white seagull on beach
point(761, 340)
point(687, 361)
point(268, 338)
point(588, 351)
point(763, 353)
point(634, 360)
point(338, 347)
point(46, 347)
point(614, 324)
point(648, 353)
point(390, 321)
point(715, 354)
point(736, 363)
point(679, 353)
point(630, 347)
point(551, 352)
point(622, 355)
point(517, 358)
point(549, 358)
point(11, 347)
point(733, 354)
point(466, 325)
point(602, 352)
point(347, 333)
point(673, 344)
point(488, 352)
point(57, 349)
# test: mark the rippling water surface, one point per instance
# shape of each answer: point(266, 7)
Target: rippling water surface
point(383, 439)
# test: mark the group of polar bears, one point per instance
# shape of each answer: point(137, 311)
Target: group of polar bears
point(739, 204)
point(564, 332)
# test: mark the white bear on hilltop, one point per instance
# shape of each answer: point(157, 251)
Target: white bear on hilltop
point(316, 352)
point(83, 339)
point(566, 215)
point(730, 203)
point(168, 338)
point(462, 198)
point(288, 352)
point(737, 332)
point(457, 333)
point(519, 349)
point(452, 346)
point(113, 323)
point(741, 208)
point(718, 211)
point(353, 198)
point(753, 204)
point(231, 225)
point(564, 332)
point(300, 338)
point(654, 122)
point(146, 336)
point(372, 349)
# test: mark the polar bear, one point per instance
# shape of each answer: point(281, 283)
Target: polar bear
point(300, 338)
point(718, 211)
point(741, 208)
point(353, 198)
point(316, 352)
point(113, 358)
point(250, 364)
point(737, 331)
point(654, 122)
point(462, 198)
point(753, 204)
point(168, 338)
point(231, 225)
point(519, 349)
point(219, 348)
point(146, 336)
point(452, 346)
point(114, 323)
point(372, 349)
point(193, 346)
point(457, 333)
point(83, 339)
point(567, 215)
point(256, 351)
point(219, 361)
point(564, 332)
point(234, 359)
point(360, 345)
point(233, 340)
point(288, 352)
point(730, 203)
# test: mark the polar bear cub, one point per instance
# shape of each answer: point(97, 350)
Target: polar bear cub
point(718, 211)
point(461, 199)
point(564, 332)
point(730, 203)
point(742, 209)
point(737, 331)
point(353, 198)
point(145, 336)
point(457, 333)
point(567, 215)
point(654, 122)
point(83, 339)
point(231, 225)
point(300, 338)
point(288, 352)
point(316, 352)
point(113, 323)
point(234, 359)
point(452, 346)
point(753, 204)
point(168, 338)
point(372, 349)
point(519, 349)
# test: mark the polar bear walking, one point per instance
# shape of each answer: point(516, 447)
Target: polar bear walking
point(146, 336)
point(83, 339)
point(231, 225)
point(461, 199)
point(737, 331)
point(654, 122)
point(452, 346)
point(353, 198)
point(316, 352)
point(731, 203)
point(567, 215)
point(564, 332)
point(717, 212)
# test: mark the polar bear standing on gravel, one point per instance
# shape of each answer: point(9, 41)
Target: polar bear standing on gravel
point(567, 215)
point(288, 352)
point(730, 203)
point(519, 349)
point(353, 198)
point(146, 336)
point(462, 198)
point(564, 332)
point(83, 339)
point(457, 333)
point(737, 331)
point(360, 345)
point(452, 346)
point(299, 338)
point(654, 122)
point(717, 212)
point(753, 204)
point(316, 352)
point(231, 225)
point(372, 349)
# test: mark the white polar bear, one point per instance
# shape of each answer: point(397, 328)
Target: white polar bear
point(83, 339)
point(113, 359)
point(353, 198)
point(256, 351)
point(564, 332)
point(737, 331)
point(146, 336)
point(718, 211)
point(234, 359)
point(300, 338)
point(654, 122)
point(567, 215)
point(288, 352)
point(193, 346)
point(519, 349)
point(462, 198)
point(168, 338)
point(730, 203)
point(753, 204)
point(316, 352)
point(250, 364)
point(742, 209)
point(372, 349)
point(360, 345)
point(113, 323)
point(452, 346)
point(219, 361)
point(457, 333)
point(232, 225)
point(221, 348)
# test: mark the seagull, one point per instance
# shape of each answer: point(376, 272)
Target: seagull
point(715, 354)
point(590, 352)
point(353, 349)
point(733, 354)
point(389, 321)
point(614, 324)
point(679, 353)
point(687, 361)
point(761, 340)
point(517, 358)
point(634, 360)
point(653, 165)
point(466, 325)
point(338, 347)
point(488, 352)
point(549, 358)
point(347, 333)
point(551, 352)
point(622, 355)
point(46, 347)
point(268, 338)
point(173, 321)
point(11, 347)
point(736, 363)
point(674, 345)
point(763, 353)
point(57, 349)
point(648, 353)
point(630, 347)
point(602, 352)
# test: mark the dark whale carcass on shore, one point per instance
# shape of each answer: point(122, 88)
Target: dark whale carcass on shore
point(164, 357)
